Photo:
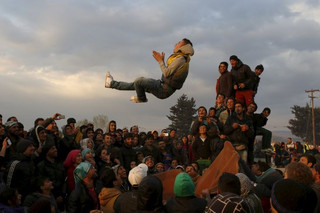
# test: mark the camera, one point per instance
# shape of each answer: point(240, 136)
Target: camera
point(9, 142)
point(61, 117)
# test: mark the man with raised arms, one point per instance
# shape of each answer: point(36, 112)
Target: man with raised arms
point(174, 73)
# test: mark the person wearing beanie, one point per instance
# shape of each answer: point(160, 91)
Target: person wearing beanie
point(242, 80)
point(137, 174)
point(185, 200)
point(21, 169)
point(88, 156)
point(84, 198)
point(291, 196)
point(12, 132)
point(173, 75)
point(127, 201)
point(53, 169)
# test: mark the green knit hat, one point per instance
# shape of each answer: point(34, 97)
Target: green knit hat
point(183, 185)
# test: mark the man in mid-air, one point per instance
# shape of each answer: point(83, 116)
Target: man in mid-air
point(173, 75)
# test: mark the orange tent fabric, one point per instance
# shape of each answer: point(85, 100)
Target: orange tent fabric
point(226, 161)
point(167, 178)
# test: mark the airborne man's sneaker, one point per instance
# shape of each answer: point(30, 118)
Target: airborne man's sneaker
point(136, 100)
point(268, 150)
point(109, 79)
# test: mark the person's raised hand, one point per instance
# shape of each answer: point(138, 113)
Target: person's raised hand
point(158, 56)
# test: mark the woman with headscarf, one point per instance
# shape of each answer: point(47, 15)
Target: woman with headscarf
point(87, 143)
point(248, 195)
point(73, 159)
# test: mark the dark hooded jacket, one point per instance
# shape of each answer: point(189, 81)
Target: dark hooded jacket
point(150, 195)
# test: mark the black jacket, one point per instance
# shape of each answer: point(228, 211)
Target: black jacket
point(56, 172)
point(202, 149)
point(259, 120)
point(22, 174)
point(242, 74)
point(128, 155)
point(236, 136)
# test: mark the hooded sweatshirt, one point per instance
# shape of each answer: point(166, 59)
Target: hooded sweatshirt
point(177, 69)
point(107, 197)
point(150, 195)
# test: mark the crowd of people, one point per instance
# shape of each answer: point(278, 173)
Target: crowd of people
point(88, 169)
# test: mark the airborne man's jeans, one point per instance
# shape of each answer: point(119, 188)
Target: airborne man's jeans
point(143, 85)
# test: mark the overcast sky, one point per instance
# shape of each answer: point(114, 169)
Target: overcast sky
point(54, 54)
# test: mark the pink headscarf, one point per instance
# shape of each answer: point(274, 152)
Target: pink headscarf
point(71, 158)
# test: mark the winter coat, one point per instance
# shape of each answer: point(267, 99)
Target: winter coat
point(236, 136)
point(56, 172)
point(225, 85)
point(242, 74)
point(202, 149)
point(22, 174)
point(128, 155)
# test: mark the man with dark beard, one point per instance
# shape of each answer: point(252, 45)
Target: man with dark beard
point(239, 129)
